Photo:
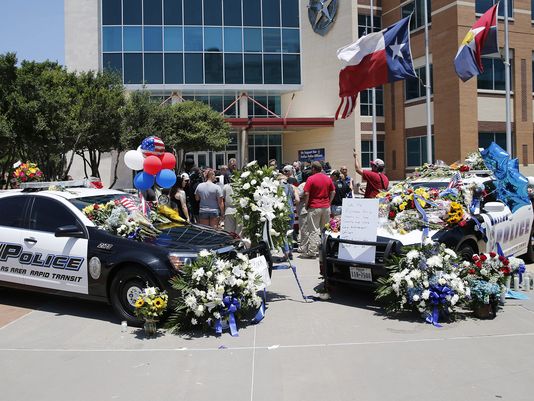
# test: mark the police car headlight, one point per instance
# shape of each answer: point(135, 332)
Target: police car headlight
point(179, 260)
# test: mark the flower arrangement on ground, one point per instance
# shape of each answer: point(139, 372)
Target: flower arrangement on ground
point(27, 172)
point(215, 291)
point(426, 279)
point(114, 217)
point(262, 209)
point(150, 306)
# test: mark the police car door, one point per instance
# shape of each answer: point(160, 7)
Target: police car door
point(56, 262)
point(12, 223)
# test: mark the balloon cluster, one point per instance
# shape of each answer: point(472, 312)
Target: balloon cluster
point(511, 185)
point(156, 164)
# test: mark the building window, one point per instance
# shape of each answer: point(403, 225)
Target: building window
point(272, 103)
point(418, 18)
point(367, 152)
point(415, 88)
point(481, 6)
point(486, 138)
point(364, 24)
point(265, 146)
point(366, 106)
point(493, 77)
point(416, 151)
point(250, 42)
point(216, 102)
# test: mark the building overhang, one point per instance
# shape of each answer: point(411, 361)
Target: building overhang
point(281, 123)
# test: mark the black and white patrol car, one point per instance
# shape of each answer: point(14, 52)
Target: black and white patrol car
point(513, 231)
point(48, 244)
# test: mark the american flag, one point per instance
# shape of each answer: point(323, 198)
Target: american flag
point(128, 203)
point(456, 181)
point(152, 146)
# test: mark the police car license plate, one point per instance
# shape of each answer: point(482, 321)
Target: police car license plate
point(360, 273)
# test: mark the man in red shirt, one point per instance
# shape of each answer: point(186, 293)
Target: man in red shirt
point(376, 180)
point(318, 194)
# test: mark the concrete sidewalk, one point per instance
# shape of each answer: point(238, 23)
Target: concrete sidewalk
point(343, 349)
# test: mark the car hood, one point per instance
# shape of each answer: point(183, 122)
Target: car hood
point(191, 237)
point(411, 238)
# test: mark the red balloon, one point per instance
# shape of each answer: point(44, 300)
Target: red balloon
point(152, 165)
point(168, 161)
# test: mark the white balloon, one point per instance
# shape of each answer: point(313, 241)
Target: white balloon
point(134, 160)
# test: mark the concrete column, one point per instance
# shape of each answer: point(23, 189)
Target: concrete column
point(175, 97)
point(243, 135)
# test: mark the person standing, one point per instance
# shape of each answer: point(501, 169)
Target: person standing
point(288, 173)
point(302, 213)
point(210, 197)
point(318, 193)
point(230, 223)
point(341, 192)
point(376, 179)
point(178, 198)
point(348, 181)
point(194, 178)
point(232, 165)
point(292, 200)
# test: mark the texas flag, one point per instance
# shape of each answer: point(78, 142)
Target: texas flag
point(373, 60)
point(480, 40)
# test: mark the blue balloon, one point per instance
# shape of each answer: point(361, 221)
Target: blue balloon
point(143, 181)
point(496, 159)
point(166, 178)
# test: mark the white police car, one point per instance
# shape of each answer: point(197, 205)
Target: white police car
point(48, 244)
point(496, 224)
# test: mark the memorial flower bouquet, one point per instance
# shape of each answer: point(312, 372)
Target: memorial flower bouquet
point(262, 206)
point(151, 303)
point(426, 279)
point(114, 217)
point(214, 292)
point(27, 172)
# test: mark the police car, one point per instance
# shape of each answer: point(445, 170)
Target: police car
point(496, 224)
point(48, 244)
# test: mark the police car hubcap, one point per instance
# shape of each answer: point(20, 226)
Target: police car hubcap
point(132, 294)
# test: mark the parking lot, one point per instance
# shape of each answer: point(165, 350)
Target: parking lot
point(54, 348)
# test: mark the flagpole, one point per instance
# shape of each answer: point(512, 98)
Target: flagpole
point(373, 96)
point(427, 87)
point(507, 80)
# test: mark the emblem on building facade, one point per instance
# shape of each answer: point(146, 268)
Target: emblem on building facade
point(322, 14)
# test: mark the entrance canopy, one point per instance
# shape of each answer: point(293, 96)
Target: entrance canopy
point(280, 123)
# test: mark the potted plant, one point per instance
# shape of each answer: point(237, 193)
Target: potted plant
point(150, 306)
point(484, 298)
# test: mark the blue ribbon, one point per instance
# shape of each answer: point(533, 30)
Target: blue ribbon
point(420, 209)
point(231, 305)
point(475, 204)
point(520, 271)
point(260, 314)
point(480, 228)
point(448, 191)
point(438, 295)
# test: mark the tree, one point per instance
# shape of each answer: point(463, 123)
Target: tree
point(8, 76)
point(97, 117)
point(192, 126)
point(42, 103)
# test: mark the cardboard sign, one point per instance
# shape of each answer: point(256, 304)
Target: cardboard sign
point(312, 155)
point(359, 222)
point(261, 267)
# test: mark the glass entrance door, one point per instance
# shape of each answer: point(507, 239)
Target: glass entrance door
point(219, 159)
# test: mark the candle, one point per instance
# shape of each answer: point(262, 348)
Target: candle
point(526, 282)
point(516, 283)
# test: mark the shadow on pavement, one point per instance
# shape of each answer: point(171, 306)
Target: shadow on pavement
point(57, 304)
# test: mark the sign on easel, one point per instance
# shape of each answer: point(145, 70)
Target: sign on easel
point(359, 222)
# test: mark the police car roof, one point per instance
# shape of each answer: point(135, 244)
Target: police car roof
point(71, 193)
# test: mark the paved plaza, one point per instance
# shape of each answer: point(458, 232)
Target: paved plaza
point(54, 348)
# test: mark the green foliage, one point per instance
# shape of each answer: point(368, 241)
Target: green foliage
point(192, 126)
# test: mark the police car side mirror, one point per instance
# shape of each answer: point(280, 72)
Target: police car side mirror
point(494, 207)
point(69, 231)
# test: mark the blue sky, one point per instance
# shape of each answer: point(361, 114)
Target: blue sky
point(34, 29)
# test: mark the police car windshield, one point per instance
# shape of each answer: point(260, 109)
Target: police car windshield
point(80, 203)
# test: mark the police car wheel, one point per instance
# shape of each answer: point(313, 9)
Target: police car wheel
point(466, 252)
point(125, 288)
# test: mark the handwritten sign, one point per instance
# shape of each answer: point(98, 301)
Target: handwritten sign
point(261, 267)
point(359, 222)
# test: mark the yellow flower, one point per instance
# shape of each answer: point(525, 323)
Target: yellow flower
point(159, 303)
point(139, 303)
point(402, 231)
point(402, 206)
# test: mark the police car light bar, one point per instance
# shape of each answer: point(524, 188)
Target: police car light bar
point(62, 184)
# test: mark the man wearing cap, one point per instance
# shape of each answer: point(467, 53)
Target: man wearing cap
point(376, 179)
